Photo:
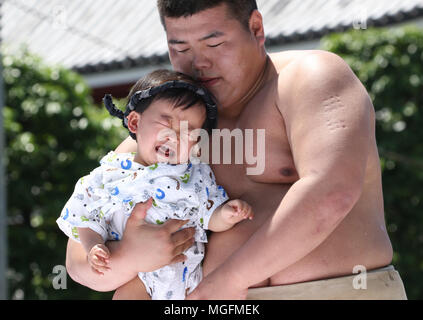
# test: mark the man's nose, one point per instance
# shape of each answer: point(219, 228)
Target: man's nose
point(200, 61)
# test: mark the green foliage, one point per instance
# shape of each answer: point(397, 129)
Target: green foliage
point(390, 65)
point(54, 135)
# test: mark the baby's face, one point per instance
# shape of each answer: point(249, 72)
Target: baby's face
point(163, 132)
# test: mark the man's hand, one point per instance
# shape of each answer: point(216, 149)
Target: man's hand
point(144, 247)
point(215, 287)
point(148, 247)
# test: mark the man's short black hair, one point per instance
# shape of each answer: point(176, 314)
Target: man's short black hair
point(240, 9)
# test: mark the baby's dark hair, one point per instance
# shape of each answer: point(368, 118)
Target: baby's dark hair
point(180, 97)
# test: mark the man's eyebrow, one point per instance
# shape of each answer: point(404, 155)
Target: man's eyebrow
point(214, 34)
point(174, 41)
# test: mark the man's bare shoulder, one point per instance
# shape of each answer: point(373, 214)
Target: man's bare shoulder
point(297, 58)
point(311, 72)
point(282, 59)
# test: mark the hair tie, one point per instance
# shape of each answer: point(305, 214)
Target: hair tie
point(110, 106)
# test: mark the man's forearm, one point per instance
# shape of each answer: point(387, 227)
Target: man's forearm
point(81, 272)
point(305, 218)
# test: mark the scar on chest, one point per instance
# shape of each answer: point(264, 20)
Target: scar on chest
point(334, 111)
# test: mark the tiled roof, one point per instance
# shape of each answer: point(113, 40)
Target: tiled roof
point(96, 35)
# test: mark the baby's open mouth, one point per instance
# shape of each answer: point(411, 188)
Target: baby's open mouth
point(164, 150)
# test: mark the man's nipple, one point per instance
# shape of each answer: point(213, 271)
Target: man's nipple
point(287, 172)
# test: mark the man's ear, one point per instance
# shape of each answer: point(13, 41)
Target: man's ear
point(133, 121)
point(256, 27)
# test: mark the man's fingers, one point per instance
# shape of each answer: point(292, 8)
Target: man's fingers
point(236, 210)
point(139, 212)
point(183, 236)
point(174, 225)
point(179, 258)
point(183, 247)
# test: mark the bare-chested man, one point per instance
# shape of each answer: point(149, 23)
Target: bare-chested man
point(318, 204)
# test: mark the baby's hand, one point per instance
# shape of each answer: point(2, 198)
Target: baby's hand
point(234, 211)
point(98, 258)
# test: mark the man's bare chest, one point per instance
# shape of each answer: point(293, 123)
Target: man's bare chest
point(259, 138)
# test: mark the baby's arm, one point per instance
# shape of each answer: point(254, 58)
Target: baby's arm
point(97, 253)
point(228, 214)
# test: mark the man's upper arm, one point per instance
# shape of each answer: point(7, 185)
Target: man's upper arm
point(128, 145)
point(327, 117)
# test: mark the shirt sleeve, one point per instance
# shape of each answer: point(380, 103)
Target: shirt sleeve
point(77, 213)
point(214, 196)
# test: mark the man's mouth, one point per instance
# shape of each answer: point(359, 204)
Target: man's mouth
point(208, 82)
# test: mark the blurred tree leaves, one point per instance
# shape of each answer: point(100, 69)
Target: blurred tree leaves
point(54, 135)
point(389, 62)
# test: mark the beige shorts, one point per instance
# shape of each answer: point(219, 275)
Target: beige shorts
point(378, 284)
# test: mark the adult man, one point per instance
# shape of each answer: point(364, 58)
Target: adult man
point(318, 204)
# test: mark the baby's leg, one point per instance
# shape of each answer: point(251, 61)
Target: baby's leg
point(133, 290)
